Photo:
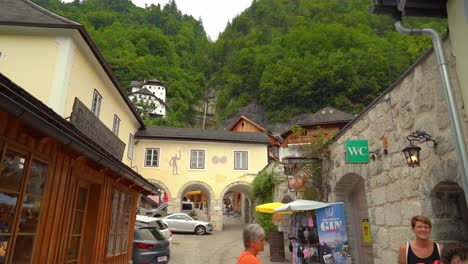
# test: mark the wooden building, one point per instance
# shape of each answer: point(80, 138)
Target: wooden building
point(326, 120)
point(244, 124)
point(63, 198)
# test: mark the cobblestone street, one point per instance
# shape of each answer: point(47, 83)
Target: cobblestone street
point(219, 247)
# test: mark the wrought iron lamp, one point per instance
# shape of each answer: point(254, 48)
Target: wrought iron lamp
point(412, 151)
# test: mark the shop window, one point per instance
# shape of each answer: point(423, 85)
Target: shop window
point(119, 226)
point(197, 159)
point(20, 204)
point(152, 157)
point(240, 160)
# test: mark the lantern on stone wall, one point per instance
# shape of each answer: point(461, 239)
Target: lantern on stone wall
point(412, 151)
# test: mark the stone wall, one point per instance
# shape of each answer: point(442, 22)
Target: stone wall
point(395, 192)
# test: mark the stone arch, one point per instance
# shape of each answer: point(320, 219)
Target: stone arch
point(161, 185)
point(194, 186)
point(449, 213)
point(351, 189)
point(238, 186)
point(345, 177)
point(440, 171)
point(287, 199)
point(345, 185)
point(246, 204)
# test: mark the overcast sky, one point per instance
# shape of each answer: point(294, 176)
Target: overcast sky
point(214, 13)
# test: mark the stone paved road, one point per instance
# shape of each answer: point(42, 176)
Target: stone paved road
point(219, 247)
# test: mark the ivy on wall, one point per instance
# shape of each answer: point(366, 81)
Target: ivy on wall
point(315, 173)
point(262, 192)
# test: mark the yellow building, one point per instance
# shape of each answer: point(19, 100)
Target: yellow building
point(190, 160)
point(68, 194)
point(55, 60)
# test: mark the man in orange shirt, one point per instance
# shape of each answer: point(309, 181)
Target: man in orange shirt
point(254, 242)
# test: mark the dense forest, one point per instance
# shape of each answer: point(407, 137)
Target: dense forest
point(290, 56)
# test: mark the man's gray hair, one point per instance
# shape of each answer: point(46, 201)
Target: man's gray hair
point(252, 232)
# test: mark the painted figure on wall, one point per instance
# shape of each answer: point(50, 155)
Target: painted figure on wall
point(173, 163)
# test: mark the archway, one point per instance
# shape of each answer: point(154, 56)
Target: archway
point(237, 194)
point(351, 190)
point(203, 202)
point(449, 213)
point(148, 203)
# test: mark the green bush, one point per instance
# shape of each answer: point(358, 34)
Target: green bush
point(266, 221)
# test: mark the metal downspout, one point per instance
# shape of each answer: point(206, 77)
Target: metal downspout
point(455, 123)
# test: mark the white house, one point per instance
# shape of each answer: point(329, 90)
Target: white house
point(150, 93)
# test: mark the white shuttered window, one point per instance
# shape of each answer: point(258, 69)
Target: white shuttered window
point(197, 159)
point(240, 160)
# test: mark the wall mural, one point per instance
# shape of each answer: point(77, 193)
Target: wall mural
point(216, 159)
point(173, 163)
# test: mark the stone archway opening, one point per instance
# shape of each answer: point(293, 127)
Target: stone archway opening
point(198, 196)
point(450, 213)
point(237, 208)
point(151, 202)
point(351, 190)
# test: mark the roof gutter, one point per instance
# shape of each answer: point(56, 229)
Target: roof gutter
point(25, 111)
point(455, 123)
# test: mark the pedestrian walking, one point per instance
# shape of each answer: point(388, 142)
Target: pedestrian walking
point(254, 243)
point(422, 250)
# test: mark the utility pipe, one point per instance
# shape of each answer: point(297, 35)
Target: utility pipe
point(455, 123)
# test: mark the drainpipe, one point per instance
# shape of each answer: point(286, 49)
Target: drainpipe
point(455, 123)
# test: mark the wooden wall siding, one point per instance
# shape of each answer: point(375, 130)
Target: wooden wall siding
point(248, 127)
point(65, 167)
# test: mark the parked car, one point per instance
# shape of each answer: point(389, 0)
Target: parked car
point(186, 207)
point(150, 245)
point(158, 212)
point(157, 223)
point(182, 222)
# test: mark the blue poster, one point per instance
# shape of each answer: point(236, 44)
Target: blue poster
point(331, 228)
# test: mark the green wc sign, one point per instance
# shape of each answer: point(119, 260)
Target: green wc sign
point(357, 151)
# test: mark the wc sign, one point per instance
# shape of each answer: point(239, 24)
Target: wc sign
point(357, 151)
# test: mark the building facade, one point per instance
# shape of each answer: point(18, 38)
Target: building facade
point(386, 191)
point(149, 97)
point(67, 190)
point(209, 163)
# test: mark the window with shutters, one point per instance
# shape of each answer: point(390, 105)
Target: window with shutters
point(96, 104)
point(131, 146)
point(152, 157)
point(241, 160)
point(116, 125)
point(197, 159)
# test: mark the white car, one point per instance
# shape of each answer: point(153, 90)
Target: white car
point(181, 222)
point(156, 222)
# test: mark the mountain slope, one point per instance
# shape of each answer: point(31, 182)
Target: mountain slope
point(295, 56)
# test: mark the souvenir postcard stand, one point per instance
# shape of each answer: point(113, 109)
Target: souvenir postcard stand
point(303, 236)
point(319, 236)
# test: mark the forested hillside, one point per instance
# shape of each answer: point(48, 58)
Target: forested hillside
point(296, 56)
point(290, 56)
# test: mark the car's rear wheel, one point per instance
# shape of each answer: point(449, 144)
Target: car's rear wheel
point(200, 230)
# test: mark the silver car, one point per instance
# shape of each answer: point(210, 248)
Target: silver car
point(181, 222)
point(156, 222)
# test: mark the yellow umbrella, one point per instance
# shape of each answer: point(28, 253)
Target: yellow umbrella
point(268, 207)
